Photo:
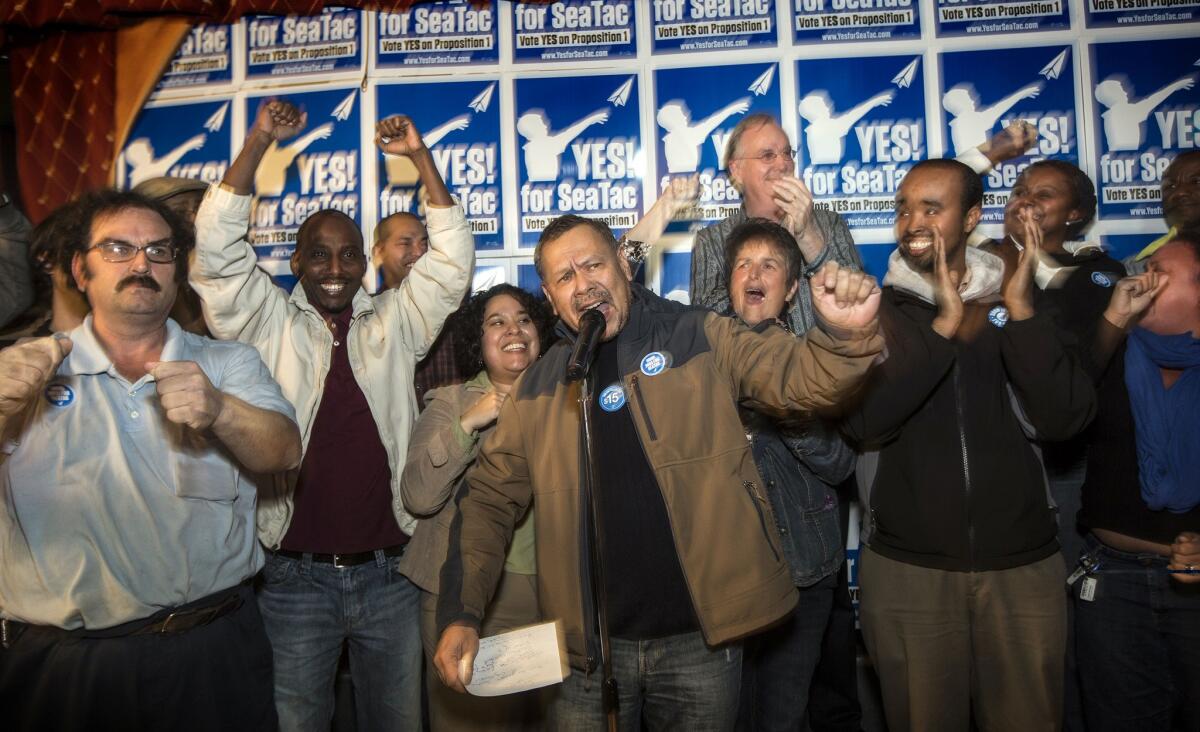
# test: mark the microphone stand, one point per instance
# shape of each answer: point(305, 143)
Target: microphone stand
point(608, 687)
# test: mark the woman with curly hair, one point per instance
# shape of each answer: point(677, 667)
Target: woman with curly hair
point(497, 334)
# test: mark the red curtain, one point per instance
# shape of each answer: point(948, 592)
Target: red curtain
point(73, 99)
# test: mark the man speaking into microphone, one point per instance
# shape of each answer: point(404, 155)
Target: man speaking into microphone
point(691, 562)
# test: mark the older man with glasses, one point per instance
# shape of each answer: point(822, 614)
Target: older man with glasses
point(127, 520)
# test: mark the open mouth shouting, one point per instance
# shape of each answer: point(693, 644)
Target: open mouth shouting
point(755, 295)
point(916, 245)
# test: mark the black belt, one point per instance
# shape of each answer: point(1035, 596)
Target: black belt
point(177, 620)
point(342, 560)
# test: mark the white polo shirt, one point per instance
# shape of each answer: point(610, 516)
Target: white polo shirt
point(108, 512)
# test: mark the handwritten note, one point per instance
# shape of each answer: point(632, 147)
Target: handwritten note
point(528, 658)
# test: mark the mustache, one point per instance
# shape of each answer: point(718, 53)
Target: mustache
point(143, 280)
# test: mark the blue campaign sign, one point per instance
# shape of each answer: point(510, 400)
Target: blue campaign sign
point(711, 25)
point(675, 275)
point(460, 124)
point(528, 280)
point(862, 127)
point(441, 33)
point(984, 91)
point(580, 150)
point(696, 109)
point(162, 143)
point(820, 21)
point(1126, 13)
point(1145, 111)
point(875, 258)
point(315, 170)
point(973, 17)
point(297, 45)
point(204, 58)
point(488, 274)
point(573, 30)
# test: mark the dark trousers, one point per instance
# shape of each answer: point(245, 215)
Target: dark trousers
point(213, 677)
point(833, 698)
point(1137, 642)
point(778, 664)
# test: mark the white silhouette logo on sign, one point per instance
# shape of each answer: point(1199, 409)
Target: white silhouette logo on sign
point(143, 165)
point(1124, 119)
point(272, 171)
point(545, 148)
point(972, 126)
point(401, 171)
point(825, 137)
point(681, 144)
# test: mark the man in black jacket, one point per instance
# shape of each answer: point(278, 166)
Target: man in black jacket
point(962, 585)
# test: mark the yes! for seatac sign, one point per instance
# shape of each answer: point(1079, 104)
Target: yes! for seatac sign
point(315, 170)
point(579, 151)
point(460, 124)
point(695, 111)
point(860, 133)
point(160, 145)
point(1145, 111)
point(985, 91)
point(203, 59)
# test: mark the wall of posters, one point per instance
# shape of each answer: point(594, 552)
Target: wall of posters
point(592, 106)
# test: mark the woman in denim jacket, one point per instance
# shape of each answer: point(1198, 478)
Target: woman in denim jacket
point(799, 462)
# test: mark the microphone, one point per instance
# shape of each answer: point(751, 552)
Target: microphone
point(591, 327)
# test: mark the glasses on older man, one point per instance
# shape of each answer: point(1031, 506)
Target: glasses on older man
point(159, 252)
point(770, 156)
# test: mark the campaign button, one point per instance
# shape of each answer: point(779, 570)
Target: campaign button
point(653, 363)
point(612, 398)
point(1102, 279)
point(998, 316)
point(60, 395)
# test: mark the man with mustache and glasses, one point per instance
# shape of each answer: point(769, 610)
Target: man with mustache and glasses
point(335, 529)
point(963, 609)
point(691, 561)
point(128, 519)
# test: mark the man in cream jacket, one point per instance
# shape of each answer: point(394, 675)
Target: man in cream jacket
point(335, 528)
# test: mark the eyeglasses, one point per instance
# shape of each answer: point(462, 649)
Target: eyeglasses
point(770, 156)
point(121, 251)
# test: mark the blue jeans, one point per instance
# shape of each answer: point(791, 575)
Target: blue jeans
point(1138, 645)
point(311, 608)
point(675, 682)
point(778, 665)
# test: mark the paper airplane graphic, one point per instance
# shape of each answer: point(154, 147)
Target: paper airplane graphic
point(483, 99)
point(905, 78)
point(217, 120)
point(621, 95)
point(762, 84)
point(342, 111)
point(1054, 69)
point(1197, 62)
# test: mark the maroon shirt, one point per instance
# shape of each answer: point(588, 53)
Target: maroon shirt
point(343, 499)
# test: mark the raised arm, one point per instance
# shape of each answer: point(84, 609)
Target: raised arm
point(240, 300)
point(436, 285)
point(24, 372)
point(192, 143)
point(641, 237)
